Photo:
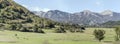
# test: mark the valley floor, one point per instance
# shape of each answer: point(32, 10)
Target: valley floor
point(15, 37)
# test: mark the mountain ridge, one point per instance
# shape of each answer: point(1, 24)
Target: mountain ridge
point(85, 17)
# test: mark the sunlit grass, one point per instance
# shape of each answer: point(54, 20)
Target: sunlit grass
point(54, 38)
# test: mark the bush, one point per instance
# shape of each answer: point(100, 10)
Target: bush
point(35, 28)
point(29, 20)
point(19, 26)
point(24, 29)
point(72, 30)
point(40, 31)
point(81, 30)
point(60, 30)
point(13, 27)
point(99, 34)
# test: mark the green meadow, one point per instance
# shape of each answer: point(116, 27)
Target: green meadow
point(15, 37)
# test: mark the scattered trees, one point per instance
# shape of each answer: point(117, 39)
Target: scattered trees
point(11, 14)
point(37, 29)
point(99, 34)
point(20, 27)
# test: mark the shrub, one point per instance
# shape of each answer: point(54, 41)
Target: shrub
point(99, 34)
point(40, 31)
point(60, 30)
point(35, 28)
point(72, 30)
point(29, 20)
point(77, 29)
point(19, 26)
point(24, 29)
point(13, 27)
point(82, 29)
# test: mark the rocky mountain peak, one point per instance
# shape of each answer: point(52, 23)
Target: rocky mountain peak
point(107, 12)
point(86, 12)
point(84, 17)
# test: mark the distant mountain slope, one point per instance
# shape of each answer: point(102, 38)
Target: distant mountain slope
point(85, 17)
point(55, 15)
point(112, 23)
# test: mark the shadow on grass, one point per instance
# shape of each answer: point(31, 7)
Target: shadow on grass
point(108, 42)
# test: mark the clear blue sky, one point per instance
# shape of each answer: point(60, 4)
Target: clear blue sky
point(71, 5)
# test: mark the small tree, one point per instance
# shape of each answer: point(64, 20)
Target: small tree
point(117, 37)
point(99, 34)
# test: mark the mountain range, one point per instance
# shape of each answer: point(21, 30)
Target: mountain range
point(85, 17)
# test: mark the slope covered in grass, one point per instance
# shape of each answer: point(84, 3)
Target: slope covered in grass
point(56, 38)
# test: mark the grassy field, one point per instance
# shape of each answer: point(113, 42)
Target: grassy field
point(8, 37)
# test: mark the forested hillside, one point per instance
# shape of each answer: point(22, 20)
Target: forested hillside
point(15, 17)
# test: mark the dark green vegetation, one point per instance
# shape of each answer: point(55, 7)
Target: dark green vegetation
point(99, 34)
point(60, 30)
point(16, 37)
point(15, 17)
point(117, 30)
point(117, 35)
